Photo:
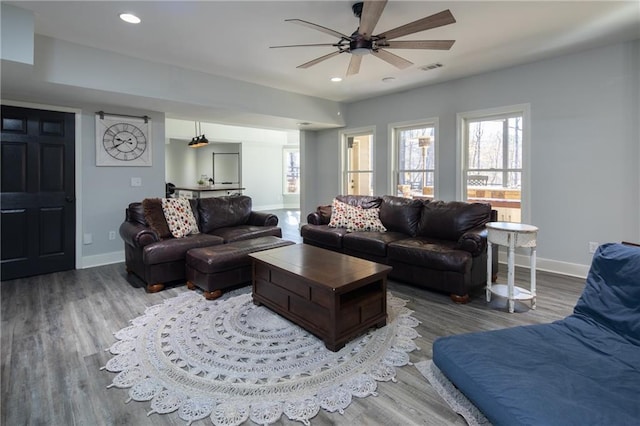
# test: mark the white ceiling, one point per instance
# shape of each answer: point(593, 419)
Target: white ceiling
point(232, 38)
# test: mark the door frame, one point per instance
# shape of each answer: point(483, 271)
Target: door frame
point(77, 165)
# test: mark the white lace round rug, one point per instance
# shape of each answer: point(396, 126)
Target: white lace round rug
point(231, 361)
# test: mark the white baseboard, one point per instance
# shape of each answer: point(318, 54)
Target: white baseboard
point(548, 265)
point(102, 259)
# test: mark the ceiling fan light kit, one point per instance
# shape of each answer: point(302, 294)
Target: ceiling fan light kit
point(363, 42)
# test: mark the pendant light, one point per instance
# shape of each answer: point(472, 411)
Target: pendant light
point(200, 139)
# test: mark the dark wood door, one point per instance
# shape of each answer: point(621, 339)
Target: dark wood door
point(38, 191)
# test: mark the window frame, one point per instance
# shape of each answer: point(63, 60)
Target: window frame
point(394, 146)
point(462, 150)
point(344, 156)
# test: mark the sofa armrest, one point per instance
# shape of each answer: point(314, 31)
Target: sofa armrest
point(262, 219)
point(474, 241)
point(137, 235)
point(322, 216)
point(314, 218)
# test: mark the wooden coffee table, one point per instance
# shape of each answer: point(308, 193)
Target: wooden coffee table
point(332, 295)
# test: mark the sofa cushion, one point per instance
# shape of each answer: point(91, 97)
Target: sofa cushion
point(323, 235)
point(221, 212)
point(223, 257)
point(374, 243)
point(154, 215)
point(364, 201)
point(245, 232)
point(175, 249)
point(449, 220)
point(179, 216)
point(612, 290)
point(400, 214)
point(434, 254)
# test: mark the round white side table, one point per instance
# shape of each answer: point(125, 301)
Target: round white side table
point(512, 235)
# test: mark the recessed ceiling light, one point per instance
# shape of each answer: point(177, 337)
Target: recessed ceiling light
point(128, 17)
point(388, 79)
point(336, 79)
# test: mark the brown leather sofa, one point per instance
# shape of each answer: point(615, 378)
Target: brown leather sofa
point(432, 244)
point(159, 259)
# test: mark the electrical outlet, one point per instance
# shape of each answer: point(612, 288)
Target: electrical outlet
point(593, 246)
point(112, 235)
point(136, 181)
point(87, 238)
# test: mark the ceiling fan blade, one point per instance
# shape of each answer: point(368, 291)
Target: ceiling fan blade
point(394, 60)
point(434, 21)
point(418, 44)
point(354, 65)
point(320, 59)
point(371, 11)
point(304, 45)
point(317, 27)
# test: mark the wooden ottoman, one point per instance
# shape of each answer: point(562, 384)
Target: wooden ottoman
point(217, 268)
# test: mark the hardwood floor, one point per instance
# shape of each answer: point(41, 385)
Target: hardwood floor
point(55, 329)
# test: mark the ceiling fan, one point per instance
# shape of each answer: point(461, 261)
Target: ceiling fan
point(363, 41)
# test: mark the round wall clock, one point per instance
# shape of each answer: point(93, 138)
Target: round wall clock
point(122, 141)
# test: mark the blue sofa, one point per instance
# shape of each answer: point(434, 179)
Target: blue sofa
point(582, 370)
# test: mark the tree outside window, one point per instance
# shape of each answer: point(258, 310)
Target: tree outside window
point(493, 163)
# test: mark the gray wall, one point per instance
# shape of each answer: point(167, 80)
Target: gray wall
point(17, 34)
point(105, 191)
point(585, 178)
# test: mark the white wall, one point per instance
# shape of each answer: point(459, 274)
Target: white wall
point(585, 145)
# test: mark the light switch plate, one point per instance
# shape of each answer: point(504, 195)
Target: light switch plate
point(136, 181)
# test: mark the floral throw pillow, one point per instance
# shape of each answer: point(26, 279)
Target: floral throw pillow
point(339, 214)
point(179, 216)
point(355, 218)
point(365, 220)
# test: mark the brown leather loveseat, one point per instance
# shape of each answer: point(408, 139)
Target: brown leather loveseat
point(154, 255)
point(432, 244)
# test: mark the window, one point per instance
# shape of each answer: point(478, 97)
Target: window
point(358, 163)
point(291, 170)
point(492, 160)
point(415, 153)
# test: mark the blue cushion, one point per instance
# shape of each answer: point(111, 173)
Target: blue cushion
point(566, 373)
point(584, 369)
point(612, 293)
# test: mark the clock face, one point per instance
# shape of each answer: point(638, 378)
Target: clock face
point(124, 141)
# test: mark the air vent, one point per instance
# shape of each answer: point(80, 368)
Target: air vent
point(431, 66)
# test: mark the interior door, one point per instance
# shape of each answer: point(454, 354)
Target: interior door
point(38, 192)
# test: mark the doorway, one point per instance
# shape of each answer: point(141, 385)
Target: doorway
point(37, 159)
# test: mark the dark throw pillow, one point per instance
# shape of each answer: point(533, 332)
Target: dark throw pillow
point(154, 216)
